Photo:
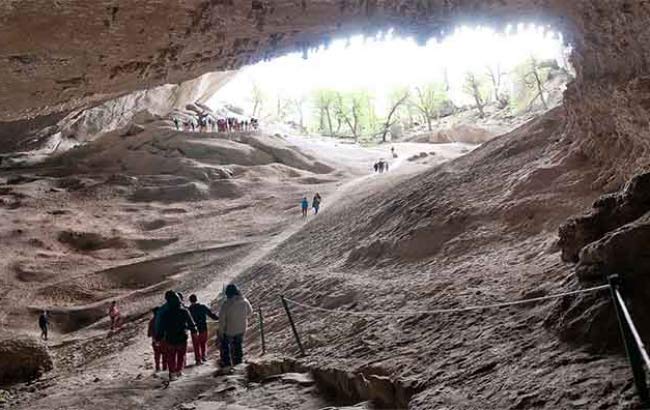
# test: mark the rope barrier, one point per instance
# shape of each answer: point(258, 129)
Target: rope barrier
point(449, 310)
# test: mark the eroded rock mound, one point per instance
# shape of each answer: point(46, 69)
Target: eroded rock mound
point(612, 239)
point(22, 359)
point(609, 212)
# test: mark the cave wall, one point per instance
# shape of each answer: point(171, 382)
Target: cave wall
point(72, 54)
point(59, 131)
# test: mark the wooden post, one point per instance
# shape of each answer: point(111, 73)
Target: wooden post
point(261, 317)
point(293, 326)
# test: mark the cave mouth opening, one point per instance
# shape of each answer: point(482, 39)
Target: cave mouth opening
point(388, 79)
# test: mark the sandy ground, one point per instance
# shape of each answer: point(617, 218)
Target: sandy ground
point(147, 212)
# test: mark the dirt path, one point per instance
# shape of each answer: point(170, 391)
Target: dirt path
point(120, 375)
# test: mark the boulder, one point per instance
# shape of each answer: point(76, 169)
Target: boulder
point(23, 359)
point(612, 239)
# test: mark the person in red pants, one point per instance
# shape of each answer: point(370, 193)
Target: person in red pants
point(174, 323)
point(157, 345)
point(200, 313)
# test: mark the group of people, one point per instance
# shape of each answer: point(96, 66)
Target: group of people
point(207, 123)
point(315, 204)
point(171, 322)
point(381, 166)
point(169, 326)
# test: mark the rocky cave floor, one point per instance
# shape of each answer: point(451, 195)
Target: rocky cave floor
point(182, 210)
point(194, 212)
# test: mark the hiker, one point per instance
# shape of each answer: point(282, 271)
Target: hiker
point(176, 123)
point(392, 151)
point(199, 313)
point(315, 203)
point(376, 167)
point(115, 317)
point(233, 320)
point(174, 323)
point(304, 205)
point(156, 344)
point(43, 323)
point(380, 165)
point(386, 166)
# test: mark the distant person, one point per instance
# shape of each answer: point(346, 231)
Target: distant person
point(233, 321)
point(175, 321)
point(380, 166)
point(43, 323)
point(304, 205)
point(376, 167)
point(156, 344)
point(386, 166)
point(392, 151)
point(115, 317)
point(176, 123)
point(315, 203)
point(193, 125)
point(200, 313)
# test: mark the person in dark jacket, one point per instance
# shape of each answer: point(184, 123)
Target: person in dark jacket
point(157, 345)
point(200, 314)
point(175, 321)
point(43, 323)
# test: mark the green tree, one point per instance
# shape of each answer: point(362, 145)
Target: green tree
point(258, 96)
point(298, 106)
point(429, 100)
point(398, 98)
point(529, 80)
point(353, 110)
point(535, 78)
point(476, 88)
point(324, 101)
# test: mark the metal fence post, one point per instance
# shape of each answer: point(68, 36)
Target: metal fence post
point(293, 326)
point(261, 317)
point(631, 348)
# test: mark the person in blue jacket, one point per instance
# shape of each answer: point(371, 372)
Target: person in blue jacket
point(304, 205)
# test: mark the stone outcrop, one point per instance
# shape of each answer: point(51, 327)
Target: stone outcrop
point(345, 385)
point(612, 239)
point(56, 133)
point(22, 359)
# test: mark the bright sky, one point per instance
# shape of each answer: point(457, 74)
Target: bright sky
point(382, 64)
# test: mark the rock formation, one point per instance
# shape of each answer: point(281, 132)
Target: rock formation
point(57, 133)
point(22, 359)
point(611, 240)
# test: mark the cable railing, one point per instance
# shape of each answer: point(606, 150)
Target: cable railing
point(635, 348)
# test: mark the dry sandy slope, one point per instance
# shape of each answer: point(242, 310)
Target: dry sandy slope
point(478, 230)
point(140, 211)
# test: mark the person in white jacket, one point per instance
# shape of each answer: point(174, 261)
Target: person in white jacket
point(233, 320)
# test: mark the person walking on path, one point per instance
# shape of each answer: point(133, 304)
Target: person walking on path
point(175, 321)
point(43, 323)
point(315, 203)
point(156, 344)
point(176, 123)
point(115, 316)
point(304, 205)
point(233, 320)
point(200, 313)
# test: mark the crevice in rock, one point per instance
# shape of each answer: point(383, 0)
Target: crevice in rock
point(346, 386)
